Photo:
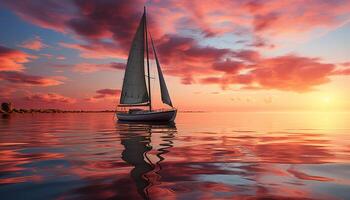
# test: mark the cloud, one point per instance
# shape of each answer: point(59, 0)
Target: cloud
point(34, 44)
point(105, 94)
point(185, 58)
point(13, 60)
point(344, 71)
point(106, 29)
point(108, 92)
point(91, 67)
point(292, 73)
point(29, 80)
point(51, 14)
point(260, 42)
point(97, 19)
point(60, 58)
point(118, 19)
point(97, 50)
point(246, 55)
point(47, 55)
point(283, 17)
point(210, 65)
point(345, 64)
point(116, 65)
point(259, 18)
point(49, 98)
point(287, 73)
point(6, 91)
point(229, 66)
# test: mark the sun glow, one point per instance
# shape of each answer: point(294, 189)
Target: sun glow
point(326, 99)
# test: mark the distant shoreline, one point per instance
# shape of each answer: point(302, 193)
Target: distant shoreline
point(23, 111)
point(53, 111)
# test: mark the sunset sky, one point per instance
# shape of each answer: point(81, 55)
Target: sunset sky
point(216, 55)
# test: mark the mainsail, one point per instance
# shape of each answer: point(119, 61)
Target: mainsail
point(163, 89)
point(134, 85)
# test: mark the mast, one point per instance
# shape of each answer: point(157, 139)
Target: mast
point(149, 76)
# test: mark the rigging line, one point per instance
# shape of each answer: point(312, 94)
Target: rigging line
point(154, 58)
point(154, 80)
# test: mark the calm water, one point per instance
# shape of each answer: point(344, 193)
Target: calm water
point(202, 156)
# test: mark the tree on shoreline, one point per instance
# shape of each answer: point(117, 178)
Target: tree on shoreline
point(7, 107)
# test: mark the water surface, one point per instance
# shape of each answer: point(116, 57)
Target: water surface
point(201, 156)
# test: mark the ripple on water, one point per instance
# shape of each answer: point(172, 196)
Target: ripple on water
point(246, 156)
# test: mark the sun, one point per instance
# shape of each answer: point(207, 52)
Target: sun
point(326, 99)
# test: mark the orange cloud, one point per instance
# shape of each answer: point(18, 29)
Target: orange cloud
point(12, 60)
point(34, 44)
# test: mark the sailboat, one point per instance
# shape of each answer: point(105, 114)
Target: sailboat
point(135, 92)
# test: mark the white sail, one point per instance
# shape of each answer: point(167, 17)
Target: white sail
point(163, 89)
point(134, 85)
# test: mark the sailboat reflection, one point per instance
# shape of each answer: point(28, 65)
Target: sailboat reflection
point(138, 152)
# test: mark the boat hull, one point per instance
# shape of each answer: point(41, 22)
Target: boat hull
point(148, 116)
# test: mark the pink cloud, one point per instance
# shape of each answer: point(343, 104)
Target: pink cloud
point(108, 92)
point(105, 94)
point(344, 71)
point(13, 60)
point(260, 42)
point(295, 17)
point(292, 73)
point(46, 55)
point(185, 56)
point(243, 67)
point(29, 80)
point(97, 50)
point(6, 91)
point(51, 98)
point(257, 17)
point(345, 64)
point(89, 20)
point(116, 65)
point(60, 58)
point(246, 55)
point(229, 66)
point(34, 44)
point(118, 19)
point(288, 73)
